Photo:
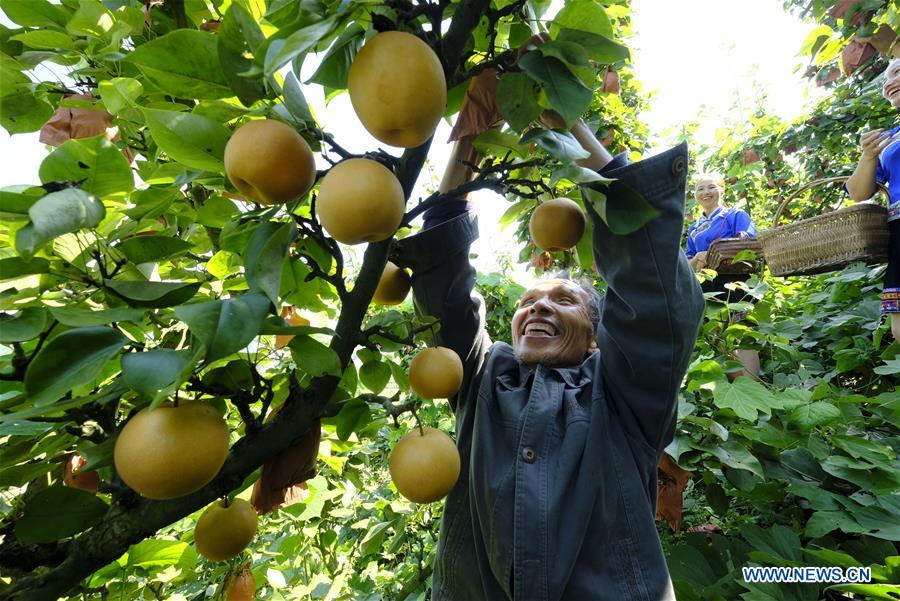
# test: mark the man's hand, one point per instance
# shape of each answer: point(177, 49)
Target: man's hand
point(873, 143)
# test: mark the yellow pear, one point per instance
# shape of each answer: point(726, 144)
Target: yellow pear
point(436, 373)
point(397, 88)
point(360, 200)
point(424, 465)
point(269, 162)
point(393, 286)
point(557, 224)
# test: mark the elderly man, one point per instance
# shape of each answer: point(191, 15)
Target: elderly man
point(560, 434)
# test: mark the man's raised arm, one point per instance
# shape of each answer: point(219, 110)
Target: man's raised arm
point(653, 303)
point(443, 279)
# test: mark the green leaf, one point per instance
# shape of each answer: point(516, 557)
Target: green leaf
point(818, 413)
point(153, 295)
point(155, 554)
point(295, 101)
point(147, 249)
point(870, 592)
point(576, 174)
point(15, 267)
point(889, 368)
point(24, 428)
point(23, 325)
point(517, 97)
point(225, 327)
point(861, 448)
point(333, 70)
point(18, 202)
point(95, 163)
point(20, 110)
point(375, 375)
point(314, 358)
point(557, 143)
point(282, 51)
point(56, 214)
point(496, 142)
point(264, 257)
point(745, 397)
point(624, 211)
point(119, 93)
point(400, 376)
point(823, 522)
point(584, 15)
point(33, 13)
point(236, 375)
point(80, 318)
point(238, 34)
point(192, 74)
point(216, 211)
point(192, 140)
point(152, 371)
point(58, 512)
point(598, 48)
point(73, 358)
point(354, 416)
point(733, 454)
point(45, 39)
point(567, 94)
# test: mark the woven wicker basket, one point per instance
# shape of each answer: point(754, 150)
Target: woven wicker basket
point(720, 255)
point(826, 242)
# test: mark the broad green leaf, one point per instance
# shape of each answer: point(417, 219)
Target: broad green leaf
point(746, 397)
point(375, 375)
point(567, 94)
point(354, 416)
point(823, 522)
point(92, 19)
point(70, 359)
point(818, 413)
point(15, 267)
point(584, 15)
point(333, 70)
point(517, 97)
point(58, 512)
point(152, 371)
point(81, 318)
point(889, 368)
point(155, 554)
point(24, 428)
point(94, 163)
point(216, 211)
point(238, 34)
point(236, 375)
point(735, 455)
point(23, 325)
point(818, 497)
point(192, 140)
point(622, 209)
point(264, 257)
point(557, 143)
point(778, 541)
point(570, 53)
point(56, 214)
point(282, 51)
point(119, 93)
point(20, 110)
point(295, 101)
point(496, 142)
point(153, 295)
point(870, 592)
point(576, 174)
point(598, 48)
point(146, 249)
point(34, 13)
point(193, 74)
point(314, 358)
point(18, 199)
point(832, 558)
point(516, 209)
point(152, 202)
point(401, 378)
point(225, 327)
point(861, 448)
point(45, 39)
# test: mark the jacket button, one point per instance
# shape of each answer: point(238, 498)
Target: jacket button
point(529, 455)
point(679, 165)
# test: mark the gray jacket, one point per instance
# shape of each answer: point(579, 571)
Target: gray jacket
point(556, 499)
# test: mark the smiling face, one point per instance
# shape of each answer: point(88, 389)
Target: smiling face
point(891, 86)
point(552, 325)
point(708, 193)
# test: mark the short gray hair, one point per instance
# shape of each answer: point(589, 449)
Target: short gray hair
point(595, 299)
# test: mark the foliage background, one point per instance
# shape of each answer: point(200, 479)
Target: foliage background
point(799, 470)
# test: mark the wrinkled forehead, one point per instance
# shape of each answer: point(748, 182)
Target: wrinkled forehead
point(556, 286)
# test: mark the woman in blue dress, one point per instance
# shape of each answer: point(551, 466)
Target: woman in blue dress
point(880, 162)
point(720, 221)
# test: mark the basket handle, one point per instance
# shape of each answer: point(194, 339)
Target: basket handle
point(828, 180)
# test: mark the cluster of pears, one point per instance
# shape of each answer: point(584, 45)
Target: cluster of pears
point(177, 449)
point(398, 91)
